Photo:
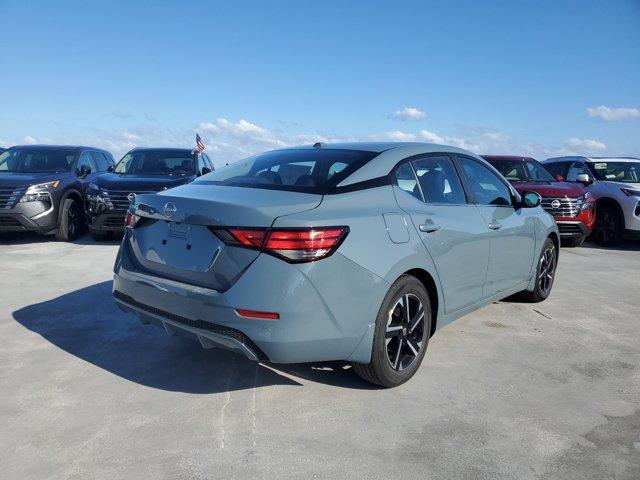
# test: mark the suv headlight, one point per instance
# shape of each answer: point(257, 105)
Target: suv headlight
point(39, 192)
point(631, 192)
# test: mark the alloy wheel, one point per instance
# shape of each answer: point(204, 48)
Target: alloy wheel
point(547, 270)
point(404, 337)
point(73, 221)
point(605, 227)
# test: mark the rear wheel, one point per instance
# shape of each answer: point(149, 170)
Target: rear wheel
point(608, 228)
point(70, 221)
point(545, 274)
point(403, 326)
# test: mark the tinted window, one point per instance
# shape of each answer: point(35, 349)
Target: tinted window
point(157, 162)
point(406, 180)
point(86, 161)
point(559, 168)
point(201, 164)
point(303, 170)
point(522, 170)
point(439, 180)
point(486, 187)
point(101, 161)
point(577, 168)
point(32, 160)
point(537, 172)
point(626, 172)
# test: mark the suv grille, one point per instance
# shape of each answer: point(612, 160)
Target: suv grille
point(9, 196)
point(117, 199)
point(562, 206)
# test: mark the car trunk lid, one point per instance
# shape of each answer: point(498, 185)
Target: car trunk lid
point(174, 239)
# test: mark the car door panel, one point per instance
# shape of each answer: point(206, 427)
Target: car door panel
point(454, 235)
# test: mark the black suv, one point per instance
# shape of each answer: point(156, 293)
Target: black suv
point(42, 186)
point(142, 170)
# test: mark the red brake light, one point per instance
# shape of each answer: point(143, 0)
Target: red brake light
point(294, 245)
point(256, 314)
point(130, 220)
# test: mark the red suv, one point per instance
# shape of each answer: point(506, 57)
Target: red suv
point(571, 204)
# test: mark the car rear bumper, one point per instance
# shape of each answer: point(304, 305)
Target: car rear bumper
point(327, 309)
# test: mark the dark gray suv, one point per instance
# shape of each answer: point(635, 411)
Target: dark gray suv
point(42, 187)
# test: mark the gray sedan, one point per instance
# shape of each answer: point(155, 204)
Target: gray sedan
point(355, 252)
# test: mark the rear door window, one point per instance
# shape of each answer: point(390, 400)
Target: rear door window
point(439, 181)
point(405, 178)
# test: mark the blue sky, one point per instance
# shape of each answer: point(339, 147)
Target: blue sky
point(528, 77)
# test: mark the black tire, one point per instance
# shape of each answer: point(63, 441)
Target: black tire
point(609, 226)
point(545, 274)
point(573, 242)
point(397, 337)
point(70, 221)
point(100, 236)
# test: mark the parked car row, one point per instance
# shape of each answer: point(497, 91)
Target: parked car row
point(60, 189)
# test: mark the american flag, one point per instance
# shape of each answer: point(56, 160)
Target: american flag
point(199, 143)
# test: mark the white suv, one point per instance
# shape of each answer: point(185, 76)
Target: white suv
point(615, 184)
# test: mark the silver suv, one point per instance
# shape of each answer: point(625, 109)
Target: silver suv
point(615, 184)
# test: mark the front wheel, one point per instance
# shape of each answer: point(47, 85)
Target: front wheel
point(545, 274)
point(609, 226)
point(70, 221)
point(402, 331)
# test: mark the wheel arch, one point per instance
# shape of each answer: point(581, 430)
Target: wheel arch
point(75, 195)
point(430, 285)
point(611, 202)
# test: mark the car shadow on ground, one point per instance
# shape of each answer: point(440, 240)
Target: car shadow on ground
point(627, 245)
point(87, 323)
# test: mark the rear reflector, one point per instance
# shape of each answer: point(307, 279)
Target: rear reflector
point(256, 314)
point(293, 245)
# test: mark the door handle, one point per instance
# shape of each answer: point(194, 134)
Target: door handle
point(429, 227)
point(494, 225)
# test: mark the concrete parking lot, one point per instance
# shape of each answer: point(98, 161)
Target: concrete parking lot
point(548, 390)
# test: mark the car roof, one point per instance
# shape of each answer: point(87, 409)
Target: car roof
point(390, 153)
point(505, 158)
point(592, 159)
point(163, 149)
point(56, 147)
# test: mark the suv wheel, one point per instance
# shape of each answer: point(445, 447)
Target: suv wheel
point(403, 327)
point(608, 229)
point(69, 227)
point(545, 274)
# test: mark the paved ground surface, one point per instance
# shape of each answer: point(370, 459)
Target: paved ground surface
point(512, 391)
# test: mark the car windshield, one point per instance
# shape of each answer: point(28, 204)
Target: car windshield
point(300, 170)
point(523, 170)
point(625, 172)
point(36, 160)
point(157, 162)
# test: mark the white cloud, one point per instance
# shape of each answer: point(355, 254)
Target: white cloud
point(398, 136)
point(30, 140)
point(613, 114)
point(586, 144)
point(430, 137)
point(409, 113)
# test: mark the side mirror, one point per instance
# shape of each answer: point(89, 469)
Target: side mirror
point(111, 168)
point(584, 179)
point(84, 171)
point(205, 170)
point(560, 178)
point(531, 199)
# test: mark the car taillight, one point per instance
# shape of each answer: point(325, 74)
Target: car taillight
point(295, 245)
point(130, 220)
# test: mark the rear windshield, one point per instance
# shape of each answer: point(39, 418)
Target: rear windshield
point(30, 160)
point(522, 170)
point(299, 170)
point(157, 162)
point(625, 172)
